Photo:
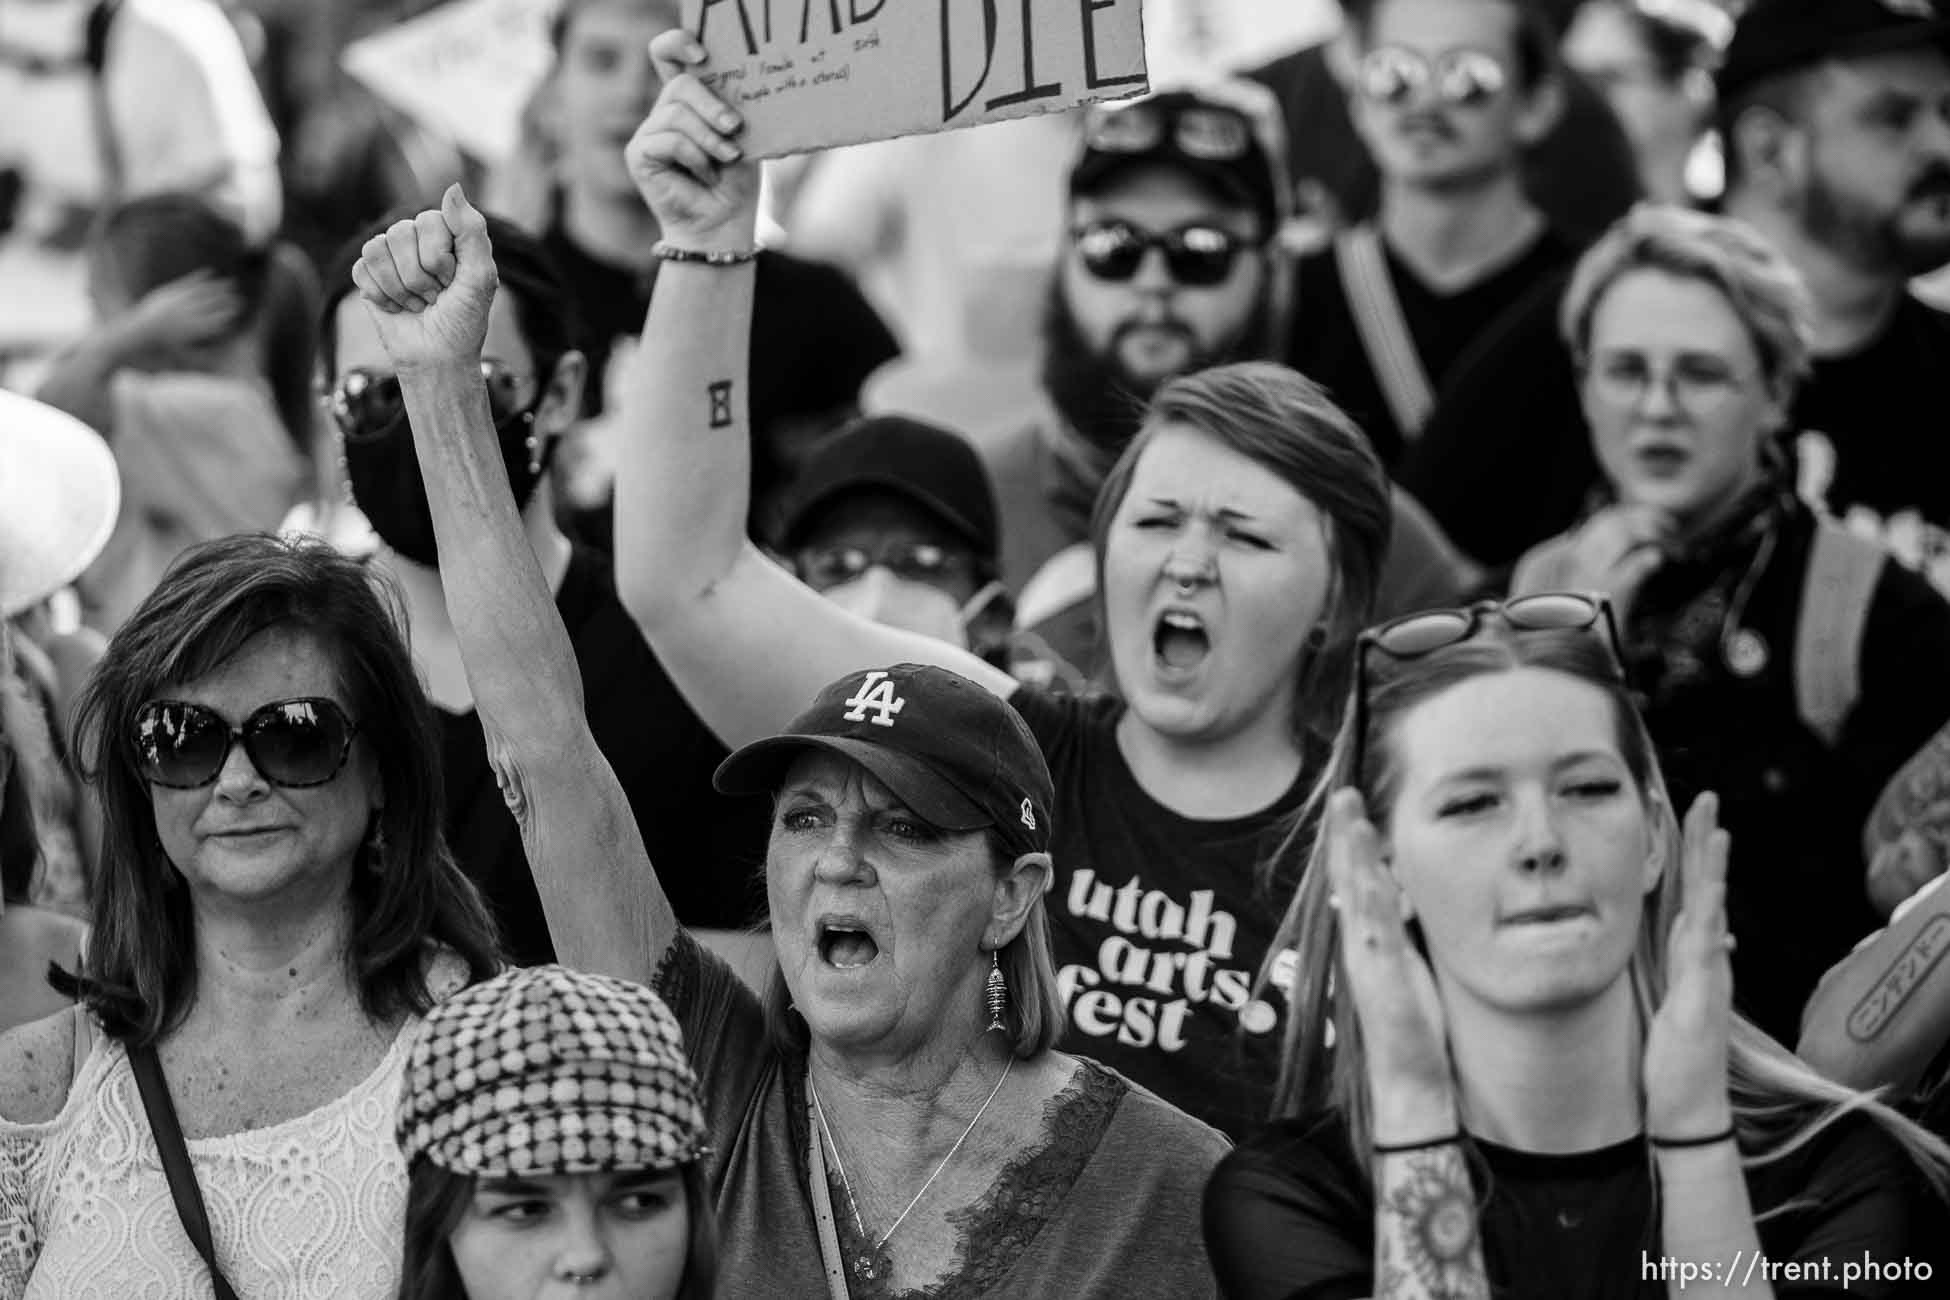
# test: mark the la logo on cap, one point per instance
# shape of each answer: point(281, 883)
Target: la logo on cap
point(1028, 814)
point(876, 696)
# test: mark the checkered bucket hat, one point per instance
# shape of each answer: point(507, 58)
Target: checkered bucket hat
point(546, 1070)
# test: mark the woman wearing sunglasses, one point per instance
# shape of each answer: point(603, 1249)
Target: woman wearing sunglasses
point(1783, 663)
point(1514, 1067)
point(1237, 541)
point(275, 910)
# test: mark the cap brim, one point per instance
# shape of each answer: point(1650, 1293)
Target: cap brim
point(759, 767)
point(805, 510)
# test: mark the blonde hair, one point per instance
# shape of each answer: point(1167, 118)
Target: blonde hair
point(1779, 1103)
point(1762, 286)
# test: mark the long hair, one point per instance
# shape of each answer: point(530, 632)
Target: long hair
point(408, 898)
point(1034, 1016)
point(437, 1200)
point(1281, 420)
point(1779, 1103)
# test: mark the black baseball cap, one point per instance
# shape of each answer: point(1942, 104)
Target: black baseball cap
point(939, 471)
point(1777, 36)
point(1225, 141)
point(956, 754)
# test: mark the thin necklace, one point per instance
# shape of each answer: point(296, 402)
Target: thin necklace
point(847, 1184)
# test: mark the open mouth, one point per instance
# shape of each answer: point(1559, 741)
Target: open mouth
point(846, 947)
point(1662, 459)
point(1180, 640)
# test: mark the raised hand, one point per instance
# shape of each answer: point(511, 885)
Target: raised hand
point(1394, 994)
point(1686, 1047)
point(195, 309)
point(428, 284)
point(686, 160)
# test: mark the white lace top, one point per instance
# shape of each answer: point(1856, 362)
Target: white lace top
point(309, 1209)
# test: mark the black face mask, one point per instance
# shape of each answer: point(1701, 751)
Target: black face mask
point(384, 471)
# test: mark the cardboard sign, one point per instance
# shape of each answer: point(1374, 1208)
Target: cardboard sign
point(808, 74)
point(464, 71)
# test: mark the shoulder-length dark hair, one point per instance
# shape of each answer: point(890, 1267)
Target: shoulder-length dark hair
point(437, 1199)
point(409, 899)
point(1278, 418)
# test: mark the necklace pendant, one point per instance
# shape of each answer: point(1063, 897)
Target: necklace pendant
point(1746, 653)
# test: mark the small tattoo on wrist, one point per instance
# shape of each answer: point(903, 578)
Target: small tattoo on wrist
point(720, 393)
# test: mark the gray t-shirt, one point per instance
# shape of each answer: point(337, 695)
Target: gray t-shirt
point(1106, 1205)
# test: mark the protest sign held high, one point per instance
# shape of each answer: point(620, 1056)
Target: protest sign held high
point(807, 74)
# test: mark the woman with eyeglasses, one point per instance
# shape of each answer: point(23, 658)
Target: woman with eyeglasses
point(275, 912)
point(1782, 662)
point(1514, 1067)
point(1237, 542)
point(662, 753)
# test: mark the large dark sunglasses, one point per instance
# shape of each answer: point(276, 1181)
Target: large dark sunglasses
point(1212, 132)
point(1195, 255)
point(1413, 636)
point(1462, 78)
point(832, 566)
point(291, 743)
point(369, 404)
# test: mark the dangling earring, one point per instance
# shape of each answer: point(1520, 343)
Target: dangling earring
point(997, 993)
point(345, 474)
point(534, 445)
point(375, 845)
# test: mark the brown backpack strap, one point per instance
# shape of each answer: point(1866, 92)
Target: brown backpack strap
point(1378, 318)
point(1843, 570)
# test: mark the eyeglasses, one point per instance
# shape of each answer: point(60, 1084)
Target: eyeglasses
point(1415, 635)
point(915, 561)
point(1209, 131)
point(1698, 382)
point(367, 404)
point(1199, 256)
point(1394, 76)
point(291, 743)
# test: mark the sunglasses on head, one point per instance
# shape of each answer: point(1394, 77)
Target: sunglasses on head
point(291, 743)
point(1394, 76)
point(1414, 636)
point(369, 404)
point(1209, 131)
point(1195, 255)
point(833, 566)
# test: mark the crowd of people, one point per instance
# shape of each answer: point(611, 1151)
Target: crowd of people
point(1331, 681)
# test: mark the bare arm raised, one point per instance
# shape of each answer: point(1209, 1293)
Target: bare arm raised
point(747, 643)
point(428, 284)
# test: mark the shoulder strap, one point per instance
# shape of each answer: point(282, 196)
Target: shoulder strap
point(1842, 573)
point(100, 19)
point(822, 1198)
point(1363, 267)
point(175, 1154)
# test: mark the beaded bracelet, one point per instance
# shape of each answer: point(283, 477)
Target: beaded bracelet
point(1409, 1148)
point(1680, 1144)
point(726, 257)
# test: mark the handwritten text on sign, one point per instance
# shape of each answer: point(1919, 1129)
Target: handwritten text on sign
point(807, 74)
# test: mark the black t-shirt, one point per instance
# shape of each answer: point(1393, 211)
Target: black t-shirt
point(1883, 409)
point(1582, 174)
point(1794, 805)
point(1446, 328)
point(1290, 1216)
point(1159, 926)
point(815, 339)
point(709, 849)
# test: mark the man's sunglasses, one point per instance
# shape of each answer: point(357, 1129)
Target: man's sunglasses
point(833, 566)
point(291, 743)
point(1414, 636)
point(1211, 132)
point(369, 404)
point(1396, 77)
point(1199, 256)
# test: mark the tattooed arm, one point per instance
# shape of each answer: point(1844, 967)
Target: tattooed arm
point(1426, 1243)
point(1906, 840)
point(1882, 1014)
